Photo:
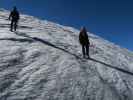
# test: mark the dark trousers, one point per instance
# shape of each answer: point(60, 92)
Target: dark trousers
point(85, 50)
point(14, 25)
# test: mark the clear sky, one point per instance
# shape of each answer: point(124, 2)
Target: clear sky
point(110, 19)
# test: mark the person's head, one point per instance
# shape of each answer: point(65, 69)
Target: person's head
point(14, 8)
point(83, 29)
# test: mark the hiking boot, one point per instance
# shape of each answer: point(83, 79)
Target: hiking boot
point(84, 56)
point(88, 56)
point(11, 30)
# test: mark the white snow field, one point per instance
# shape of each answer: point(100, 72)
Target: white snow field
point(43, 61)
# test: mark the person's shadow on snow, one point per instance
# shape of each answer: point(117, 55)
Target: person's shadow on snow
point(76, 56)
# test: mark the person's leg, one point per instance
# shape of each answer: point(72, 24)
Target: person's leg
point(15, 25)
point(83, 50)
point(11, 26)
point(87, 50)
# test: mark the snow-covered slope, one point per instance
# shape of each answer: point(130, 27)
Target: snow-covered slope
point(42, 61)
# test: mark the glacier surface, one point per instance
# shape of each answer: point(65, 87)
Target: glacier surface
point(42, 60)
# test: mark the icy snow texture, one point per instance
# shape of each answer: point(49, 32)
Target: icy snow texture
point(42, 61)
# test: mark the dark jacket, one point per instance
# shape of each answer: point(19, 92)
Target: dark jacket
point(83, 37)
point(14, 15)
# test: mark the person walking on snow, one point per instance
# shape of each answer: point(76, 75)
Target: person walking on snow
point(84, 41)
point(14, 17)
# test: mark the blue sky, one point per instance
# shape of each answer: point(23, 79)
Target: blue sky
point(110, 19)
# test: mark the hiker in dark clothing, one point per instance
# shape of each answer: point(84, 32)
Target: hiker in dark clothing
point(84, 41)
point(14, 17)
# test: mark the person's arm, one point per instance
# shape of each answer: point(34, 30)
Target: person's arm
point(79, 35)
point(88, 42)
point(87, 37)
point(10, 16)
point(81, 38)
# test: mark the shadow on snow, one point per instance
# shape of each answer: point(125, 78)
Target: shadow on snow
point(8, 25)
point(32, 39)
